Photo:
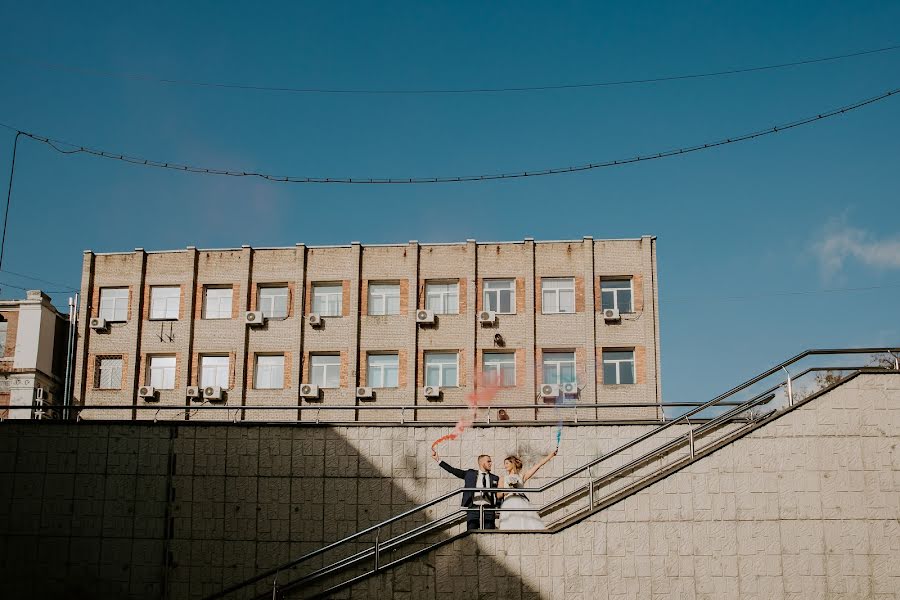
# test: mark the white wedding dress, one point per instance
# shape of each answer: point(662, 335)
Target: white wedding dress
point(518, 519)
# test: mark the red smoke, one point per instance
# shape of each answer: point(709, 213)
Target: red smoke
point(480, 398)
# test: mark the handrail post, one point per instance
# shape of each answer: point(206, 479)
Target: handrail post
point(318, 410)
point(790, 389)
point(590, 488)
point(275, 587)
point(377, 546)
point(402, 415)
point(896, 360)
point(481, 516)
point(690, 436)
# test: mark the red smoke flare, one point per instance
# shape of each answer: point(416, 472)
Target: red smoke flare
point(480, 398)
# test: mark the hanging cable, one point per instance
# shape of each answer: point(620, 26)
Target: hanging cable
point(32, 278)
point(436, 91)
point(12, 172)
point(76, 149)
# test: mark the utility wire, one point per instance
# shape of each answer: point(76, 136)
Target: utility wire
point(434, 91)
point(75, 149)
point(32, 278)
point(24, 289)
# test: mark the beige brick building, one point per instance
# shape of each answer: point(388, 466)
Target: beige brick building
point(178, 319)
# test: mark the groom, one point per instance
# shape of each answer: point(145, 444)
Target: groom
point(476, 478)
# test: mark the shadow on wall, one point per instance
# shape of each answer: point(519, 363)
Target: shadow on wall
point(178, 511)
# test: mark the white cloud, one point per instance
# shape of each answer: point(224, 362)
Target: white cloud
point(841, 243)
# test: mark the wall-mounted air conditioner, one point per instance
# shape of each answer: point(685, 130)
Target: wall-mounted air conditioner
point(549, 390)
point(193, 392)
point(365, 393)
point(309, 391)
point(147, 392)
point(425, 317)
point(487, 317)
point(611, 315)
point(98, 323)
point(212, 393)
point(314, 319)
point(432, 392)
point(254, 318)
point(570, 389)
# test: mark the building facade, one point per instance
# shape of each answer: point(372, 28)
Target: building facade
point(380, 333)
point(32, 357)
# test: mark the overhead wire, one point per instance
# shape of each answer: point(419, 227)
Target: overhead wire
point(32, 278)
point(436, 91)
point(171, 165)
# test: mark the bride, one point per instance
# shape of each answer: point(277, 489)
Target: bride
point(519, 519)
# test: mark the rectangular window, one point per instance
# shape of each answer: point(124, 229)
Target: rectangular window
point(114, 304)
point(441, 369)
point(4, 325)
point(618, 367)
point(162, 372)
point(217, 303)
point(214, 371)
point(273, 302)
point(269, 372)
point(442, 298)
point(325, 370)
point(164, 302)
point(616, 293)
point(559, 367)
point(382, 370)
point(384, 298)
point(557, 295)
point(500, 296)
point(328, 300)
point(109, 373)
point(500, 367)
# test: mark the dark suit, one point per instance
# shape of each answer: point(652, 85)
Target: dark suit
point(470, 478)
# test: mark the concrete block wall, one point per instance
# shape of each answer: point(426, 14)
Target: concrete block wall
point(355, 334)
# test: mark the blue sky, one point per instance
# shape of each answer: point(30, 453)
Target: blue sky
point(810, 209)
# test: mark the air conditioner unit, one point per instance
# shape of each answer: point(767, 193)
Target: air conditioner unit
point(315, 319)
point(309, 391)
point(549, 390)
point(148, 392)
point(425, 317)
point(569, 388)
point(193, 392)
point(487, 317)
point(431, 391)
point(254, 318)
point(98, 323)
point(611, 314)
point(212, 392)
point(365, 392)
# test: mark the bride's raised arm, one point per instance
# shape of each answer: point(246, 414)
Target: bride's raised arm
point(535, 468)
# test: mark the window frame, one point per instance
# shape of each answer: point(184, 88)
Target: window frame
point(497, 367)
point(262, 289)
point(615, 293)
point(115, 309)
point(485, 291)
point(151, 369)
point(374, 295)
point(317, 288)
point(326, 367)
point(209, 288)
point(548, 284)
point(274, 382)
point(432, 297)
point(382, 370)
point(558, 366)
point(4, 333)
point(431, 354)
point(154, 316)
point(98, 381)
point(618, 366)
point(227, 370)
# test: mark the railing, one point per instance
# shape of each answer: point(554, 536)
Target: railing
point(630, 467)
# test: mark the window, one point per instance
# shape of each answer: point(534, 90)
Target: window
point(214, 370)
point(618, 367)
point(109, 373)
point(164, 302)
point(3, 327)
point(559, 367)
point(500, 296)
point(384, 299)
point(328, 299)
point(269, 372)
point(217, 303)
point(325, 370)
point(616, 293)
point(500, 367)
point(273, 302)
point(441, 369)
point(442, 298)
point(114, 304)
point(382, 371)
point(558, 295)
point(162, 372)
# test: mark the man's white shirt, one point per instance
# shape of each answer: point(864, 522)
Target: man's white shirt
point(483, 481)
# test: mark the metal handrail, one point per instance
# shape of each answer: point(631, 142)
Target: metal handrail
point(758, 399)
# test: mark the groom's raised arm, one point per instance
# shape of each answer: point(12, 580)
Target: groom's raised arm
point(452, 470)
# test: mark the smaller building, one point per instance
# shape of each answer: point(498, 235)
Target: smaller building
point(32, 357)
